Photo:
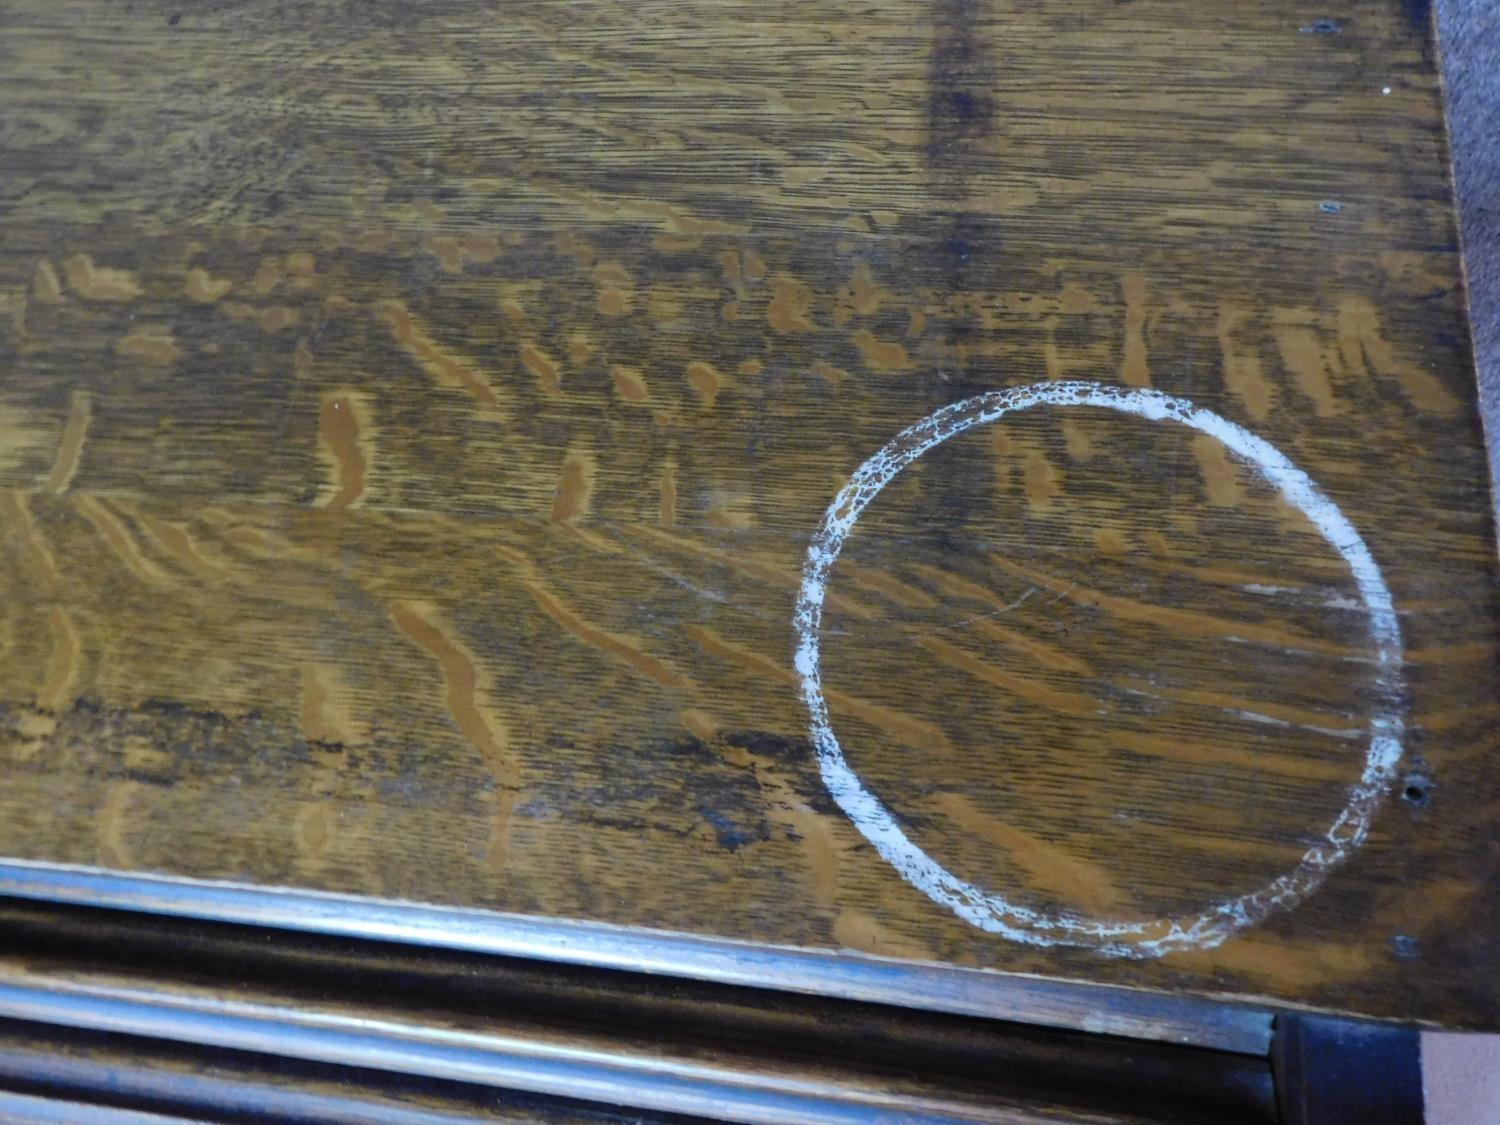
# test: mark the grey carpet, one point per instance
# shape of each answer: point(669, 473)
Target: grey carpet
point(1469, 35)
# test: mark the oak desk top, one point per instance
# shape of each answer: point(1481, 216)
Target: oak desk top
point(417, 423)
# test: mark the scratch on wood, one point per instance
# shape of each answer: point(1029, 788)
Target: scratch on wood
point(1330, 723)
point(1184, 621)
point(752, 568)
point(1047, 655)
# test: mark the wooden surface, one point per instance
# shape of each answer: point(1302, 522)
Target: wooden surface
point(414, 418)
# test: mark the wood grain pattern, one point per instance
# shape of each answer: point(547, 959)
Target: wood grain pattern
point(413, 421)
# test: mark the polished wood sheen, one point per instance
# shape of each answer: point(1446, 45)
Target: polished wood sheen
point(414, 418)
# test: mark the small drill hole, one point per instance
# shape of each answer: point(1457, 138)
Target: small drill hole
point(1416, 791)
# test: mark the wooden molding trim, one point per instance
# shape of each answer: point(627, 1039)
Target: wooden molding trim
point(1013, 997)
point(562, 1011)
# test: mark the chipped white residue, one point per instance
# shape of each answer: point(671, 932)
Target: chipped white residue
point(1313, 728)
point(993, 912)
point(1338, 601)
point(1329, 598)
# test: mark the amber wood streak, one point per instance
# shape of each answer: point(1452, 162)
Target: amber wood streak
point(414, 417)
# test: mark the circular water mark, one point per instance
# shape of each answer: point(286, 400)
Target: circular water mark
point(993, 912)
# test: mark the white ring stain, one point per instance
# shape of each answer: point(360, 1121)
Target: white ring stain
point(993, 912)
